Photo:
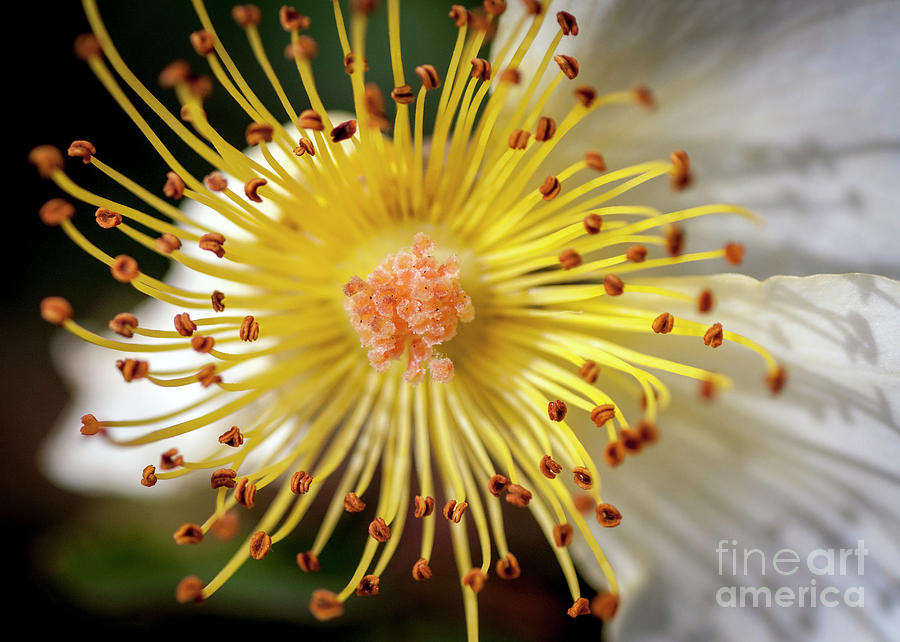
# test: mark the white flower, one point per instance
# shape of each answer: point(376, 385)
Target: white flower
point(812, 469)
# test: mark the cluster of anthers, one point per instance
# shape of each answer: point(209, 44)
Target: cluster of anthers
point(542, 262)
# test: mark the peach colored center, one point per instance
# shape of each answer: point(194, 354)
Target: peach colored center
point(409, 299)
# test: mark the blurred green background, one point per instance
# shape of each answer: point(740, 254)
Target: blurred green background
point(108, 565)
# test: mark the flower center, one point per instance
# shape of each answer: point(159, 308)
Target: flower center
point(409, 303)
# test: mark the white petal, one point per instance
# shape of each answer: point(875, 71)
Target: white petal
point(788, 108)
point(812, 468)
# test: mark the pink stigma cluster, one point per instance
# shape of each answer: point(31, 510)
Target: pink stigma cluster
point(409, 299)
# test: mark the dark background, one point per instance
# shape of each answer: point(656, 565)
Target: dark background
point(108, 566)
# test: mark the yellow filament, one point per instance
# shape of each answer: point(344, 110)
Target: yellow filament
point(261, 57)
point(423, 466)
